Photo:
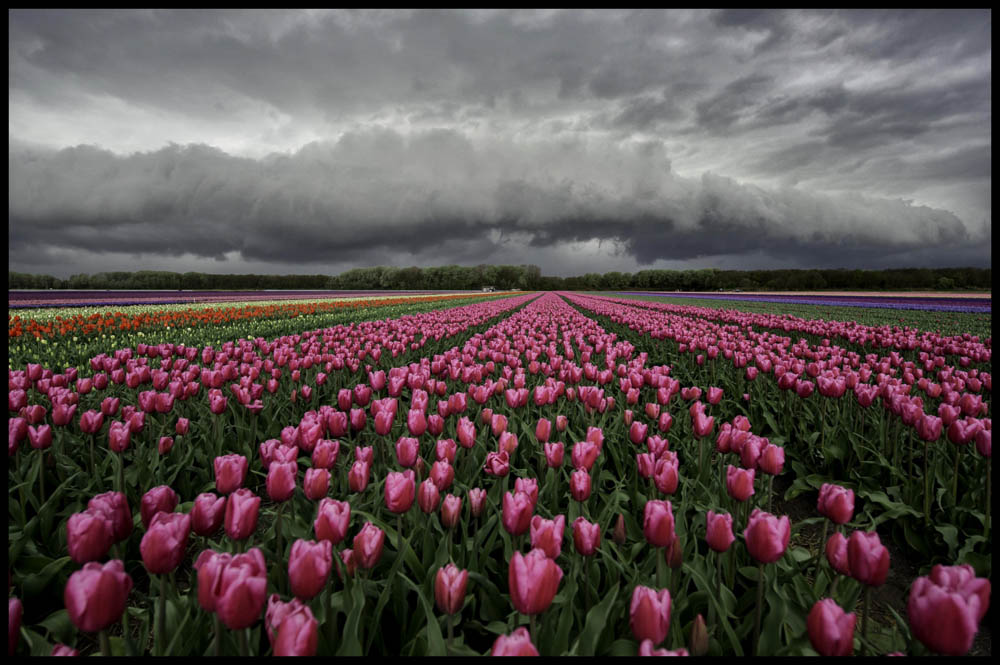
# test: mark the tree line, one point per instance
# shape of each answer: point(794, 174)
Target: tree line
point(527, 277)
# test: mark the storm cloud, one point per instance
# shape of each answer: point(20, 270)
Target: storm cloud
point(319, 141)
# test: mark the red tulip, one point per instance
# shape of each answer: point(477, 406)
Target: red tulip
point(836, 503)
point(831, 630)
point(207, 513)
point(517, 643)
point(309, 567)
point(164, 543)
point(649, 614)
point(586, 536)
point(95, 595)
point(534, 579)
point(368, 545)
point(242, 509)
point(449, 588)
point(719, 530)
point(89, 536)
point(332, 520)
point(158, 499)
point(658, 523)
point(115, 508)
point(867, 558)
point(945, 608)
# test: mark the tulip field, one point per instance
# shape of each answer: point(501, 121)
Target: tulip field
point(498, 474)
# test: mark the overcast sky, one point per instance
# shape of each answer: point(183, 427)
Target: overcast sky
point(581, 141)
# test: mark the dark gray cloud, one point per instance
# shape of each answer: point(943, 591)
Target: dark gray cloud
point(314, 138)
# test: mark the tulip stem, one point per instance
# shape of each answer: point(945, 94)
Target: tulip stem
point(954, 487)
point(217, 649)
point(660, 557)
point(586, 581)
point(41, 475)
point(531, 624)
point(161, 617)
point(864, 625)
point(820, 548)
point(105, 644)
point(399, 533)
point(92, 465)
point(451, 633)
point(244, 649)
point(760, 604)
point(986, 529)
point(121, 472)
point(927, 485)
point(770, 491)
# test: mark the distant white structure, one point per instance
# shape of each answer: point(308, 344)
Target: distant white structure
point(489, 289)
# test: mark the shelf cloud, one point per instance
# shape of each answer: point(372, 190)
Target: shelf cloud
point(319, 141)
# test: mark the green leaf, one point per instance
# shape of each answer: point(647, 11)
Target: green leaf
point(597, 619)
point(36, 583)
point(59, 626)
point(623, 648)
point(350, 645)
point(435, 642)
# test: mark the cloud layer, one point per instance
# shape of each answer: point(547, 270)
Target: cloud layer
point(318, 141)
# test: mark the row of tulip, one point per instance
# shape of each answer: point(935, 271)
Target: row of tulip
point(546, 327)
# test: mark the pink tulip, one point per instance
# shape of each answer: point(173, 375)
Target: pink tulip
point(946, 607)
point(649, 614)
point(547, 535)
point(332, 520)
point(767, 536)
point(836, 503)
point(164, 544)
point(207, 513)
point(95, 596)
point(450, 585)
point(836, 553)
point(230, 473)
point(368, 545)
point(831, 630)
point(579, 485)
point(719, 530)
point(89, 536)
point(867, 558)
point(517, 643)
point(534, 579)
point(158, 499)
point(739, 483)
point(242, 509)
point(114, 506)
point(309, 565)
point(477, 501)
point(658, 523)
point(586, 536)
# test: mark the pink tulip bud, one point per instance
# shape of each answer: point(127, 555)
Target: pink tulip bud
point(579, 485)
point(158, 499)
point(831, 630)
point(451, 511)
point(586, 536)
point(95, 595)
point(719, 531)
point(767, 536)
point(836, 503)
point(368, 545)
point(164, 544)
point(316, 483)
point(449, 588)
point(534, 579)
point(547, 535)
point(517, 643)
point(357, 477)
point(836, 553)
point(207, 513)
point(242, 509)
point(89, 536)
point(114, 506)
point(477, 501)
point(649, 614)
point(950, 596)
point(658, 523)
point(739, 483)
point(309, 565)
point(867, 558)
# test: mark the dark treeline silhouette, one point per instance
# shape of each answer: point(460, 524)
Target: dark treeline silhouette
point(529, 277)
